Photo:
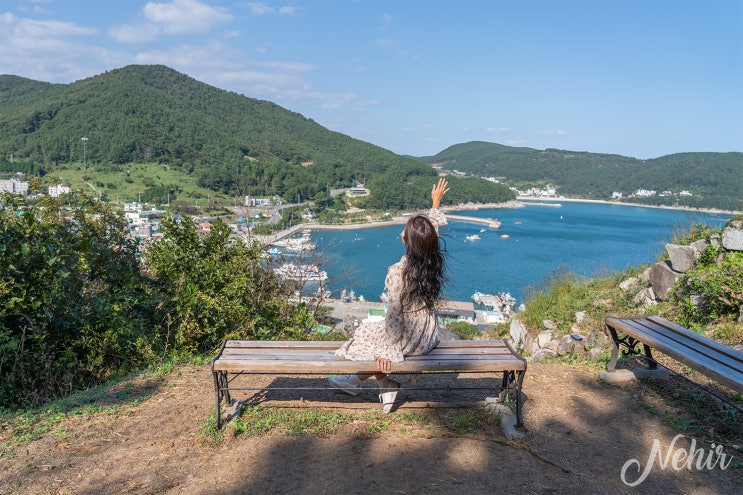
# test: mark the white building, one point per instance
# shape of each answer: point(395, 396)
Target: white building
point(251, 201)
point(617, 195)
point(645, 193)
point(133, 206)
point(14, 186)
point(58, 190)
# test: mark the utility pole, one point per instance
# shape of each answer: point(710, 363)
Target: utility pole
point(85, 142)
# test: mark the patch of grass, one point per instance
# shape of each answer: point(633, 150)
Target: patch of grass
point(467, 423)
point(31, 424)
point(256, 420)
point(262, 420)
point(209, 435)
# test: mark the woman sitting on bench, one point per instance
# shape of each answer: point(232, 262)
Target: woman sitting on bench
point(413, 286)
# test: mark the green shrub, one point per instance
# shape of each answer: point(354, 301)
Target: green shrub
point(464, 330)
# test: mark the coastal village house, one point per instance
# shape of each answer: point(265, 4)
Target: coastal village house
point(14, 186)
point(58, 190)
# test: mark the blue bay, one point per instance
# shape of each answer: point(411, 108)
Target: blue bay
point(588, 239)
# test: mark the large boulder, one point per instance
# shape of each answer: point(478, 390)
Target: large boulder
point(732, 237)
point(683, 258)
point(518, 333)
point(662, 279)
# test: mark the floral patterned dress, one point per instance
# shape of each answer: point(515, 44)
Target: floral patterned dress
point(403, 332)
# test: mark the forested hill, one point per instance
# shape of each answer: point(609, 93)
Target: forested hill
point(715, 180)
point(228, 142)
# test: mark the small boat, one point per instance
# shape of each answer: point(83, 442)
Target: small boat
point(300, 273)
point(504, 236)
point(473, 237)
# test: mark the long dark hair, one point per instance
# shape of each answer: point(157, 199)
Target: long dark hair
point(424, 274)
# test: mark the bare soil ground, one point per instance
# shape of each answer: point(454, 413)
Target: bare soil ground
point(146, 436)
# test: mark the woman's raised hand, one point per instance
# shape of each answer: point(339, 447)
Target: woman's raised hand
point(438, 191)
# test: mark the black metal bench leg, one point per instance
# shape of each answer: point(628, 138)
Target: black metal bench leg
point(652, 363)
point(519, 381)
point(612, 364)
point(221, 392)
point(511, 388)
point(218, 399)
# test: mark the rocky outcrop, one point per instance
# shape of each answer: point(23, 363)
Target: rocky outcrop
point(649, 287)
point(662, 278)
point(732, 236)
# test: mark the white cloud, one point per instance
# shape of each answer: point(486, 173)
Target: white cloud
point(184, 16)
point(178, 17)
point(386, 21)
point(52, 51)
point(554, 133)
point(134, 33)
point(24, 28)
point(259, 8)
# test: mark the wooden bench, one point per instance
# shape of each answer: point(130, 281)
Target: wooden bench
point(246, 357)
point(713, 359)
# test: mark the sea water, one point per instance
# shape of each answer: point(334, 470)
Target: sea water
point(534, 243)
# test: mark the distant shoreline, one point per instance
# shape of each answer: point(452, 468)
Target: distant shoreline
point(519, 202)
point(624, 203)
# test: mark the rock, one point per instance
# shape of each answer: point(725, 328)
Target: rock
point(507, 417)
point(596, 338)
point(594, 354)
point(625, 285)
point(567, 344)
point(645, 275)
point(645, 298)
point(732, 238)
point(662, 279)
point(532, 347)
point(518, 333)
point(698, 301)
point(683, 258)
point(542, 354)
point(700, 246)
point(715, 241)
point(544, 337)
point(579, 316)
point(549, 324)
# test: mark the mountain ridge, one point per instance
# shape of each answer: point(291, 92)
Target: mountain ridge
point(233, 144)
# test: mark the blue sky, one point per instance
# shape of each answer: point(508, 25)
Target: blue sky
point(641, 78)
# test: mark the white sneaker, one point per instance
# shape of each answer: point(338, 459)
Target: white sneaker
point(348, 383)
point(388, 398)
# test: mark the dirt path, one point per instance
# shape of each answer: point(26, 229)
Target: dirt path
point(579, 433)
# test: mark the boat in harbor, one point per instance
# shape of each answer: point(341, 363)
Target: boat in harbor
point(473, 237)
point(296, 244)
point(300, 272)
point(503, 301)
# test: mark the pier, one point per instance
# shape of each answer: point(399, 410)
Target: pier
point(492, 223)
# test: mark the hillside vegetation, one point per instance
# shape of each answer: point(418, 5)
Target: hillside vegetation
point(714, 179)
point(225, 143)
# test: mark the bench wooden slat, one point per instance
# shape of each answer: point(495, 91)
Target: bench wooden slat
point(729, 352)
point(310, 352)
point(345, 366)
point(696, 351)
point(274, 344)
